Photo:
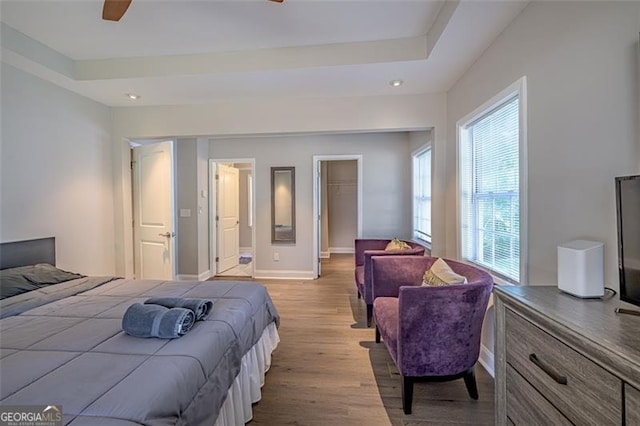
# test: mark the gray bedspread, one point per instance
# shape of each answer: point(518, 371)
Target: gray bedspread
point(73, 352)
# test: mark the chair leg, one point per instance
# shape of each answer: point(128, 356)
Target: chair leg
point(407, 394)
point(377, 335)
point(369, 314)
point(470, 383)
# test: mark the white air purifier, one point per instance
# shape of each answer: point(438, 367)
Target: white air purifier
point(581, 268)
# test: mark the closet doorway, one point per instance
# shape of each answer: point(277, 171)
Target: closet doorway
point(337, 205)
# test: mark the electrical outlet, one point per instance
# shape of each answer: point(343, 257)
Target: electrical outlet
point(276, 256)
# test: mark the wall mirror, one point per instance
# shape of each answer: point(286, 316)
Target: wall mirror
point(283, 205)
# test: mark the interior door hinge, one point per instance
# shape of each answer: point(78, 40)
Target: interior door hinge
point(217, 218)
point(217, 177)
point(217, 259)
point(132, 164)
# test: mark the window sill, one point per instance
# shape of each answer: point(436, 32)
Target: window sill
point(425, 244)
point(502, 282)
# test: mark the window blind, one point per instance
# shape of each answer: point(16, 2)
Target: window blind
point(422, 195)
point(489, 190)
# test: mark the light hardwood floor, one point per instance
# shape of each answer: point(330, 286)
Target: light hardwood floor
point(328, 370)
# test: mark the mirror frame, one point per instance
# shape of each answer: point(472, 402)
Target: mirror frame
point(274, 237)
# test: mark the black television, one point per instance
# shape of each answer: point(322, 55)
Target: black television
point(628, 212)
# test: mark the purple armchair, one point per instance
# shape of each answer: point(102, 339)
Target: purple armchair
point(432, 333)
point(365, 248)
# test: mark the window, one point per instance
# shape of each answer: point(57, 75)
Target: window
point(490, 188)
point(422, 195)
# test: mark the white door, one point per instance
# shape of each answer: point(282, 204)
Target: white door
point(228, 217)
point(153, 230)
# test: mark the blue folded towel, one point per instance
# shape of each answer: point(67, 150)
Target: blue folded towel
point(200, 307)
point(157, 321)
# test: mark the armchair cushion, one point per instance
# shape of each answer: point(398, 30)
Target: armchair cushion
point(386, 309)
point(441, 274)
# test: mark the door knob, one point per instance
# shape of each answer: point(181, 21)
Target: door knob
point(166, 234)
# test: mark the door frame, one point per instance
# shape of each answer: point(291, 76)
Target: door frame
point(213, 193)
point(316, 194)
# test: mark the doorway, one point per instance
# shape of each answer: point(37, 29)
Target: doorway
point(337, 205)
point(232, 213)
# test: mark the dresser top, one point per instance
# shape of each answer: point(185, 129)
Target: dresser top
point(592, 319)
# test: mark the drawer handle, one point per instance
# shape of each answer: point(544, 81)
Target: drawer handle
point(555, 376)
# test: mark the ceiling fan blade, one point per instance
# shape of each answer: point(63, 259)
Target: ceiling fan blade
point(113, 10)
point(277, 1)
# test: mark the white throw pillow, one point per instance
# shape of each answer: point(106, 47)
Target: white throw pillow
point(397, 244)
point(441, 274)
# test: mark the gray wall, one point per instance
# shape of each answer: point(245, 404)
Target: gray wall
point(187, 198)
point(342, 192)
point(386, 177)
point(202, 162)
point(192, 188)
point(267, 117)
point(56, 176)
point(245, 229)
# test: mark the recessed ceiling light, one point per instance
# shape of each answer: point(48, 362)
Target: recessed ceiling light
point(132, 96)
point(396, 83)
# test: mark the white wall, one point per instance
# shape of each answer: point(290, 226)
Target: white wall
point(386, 159)
point(580, 62)
point(292, 116)
point(56, 172)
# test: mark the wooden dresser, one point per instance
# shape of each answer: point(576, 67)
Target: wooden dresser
point(563, 360)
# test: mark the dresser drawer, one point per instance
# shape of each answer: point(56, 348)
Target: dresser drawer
point(583, 391)
point(526, 407)
point(632, 405)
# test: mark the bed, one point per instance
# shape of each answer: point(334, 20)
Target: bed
point(63, 345)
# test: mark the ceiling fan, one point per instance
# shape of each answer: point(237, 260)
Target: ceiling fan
point(113, 10)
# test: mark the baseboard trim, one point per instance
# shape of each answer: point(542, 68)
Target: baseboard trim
point(325, 254)
point(283, 274)
point(192, 277)
point(486, 359)
point(342, 250)
point(187, 277)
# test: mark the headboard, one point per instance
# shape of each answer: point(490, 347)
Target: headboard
point(29, 252)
